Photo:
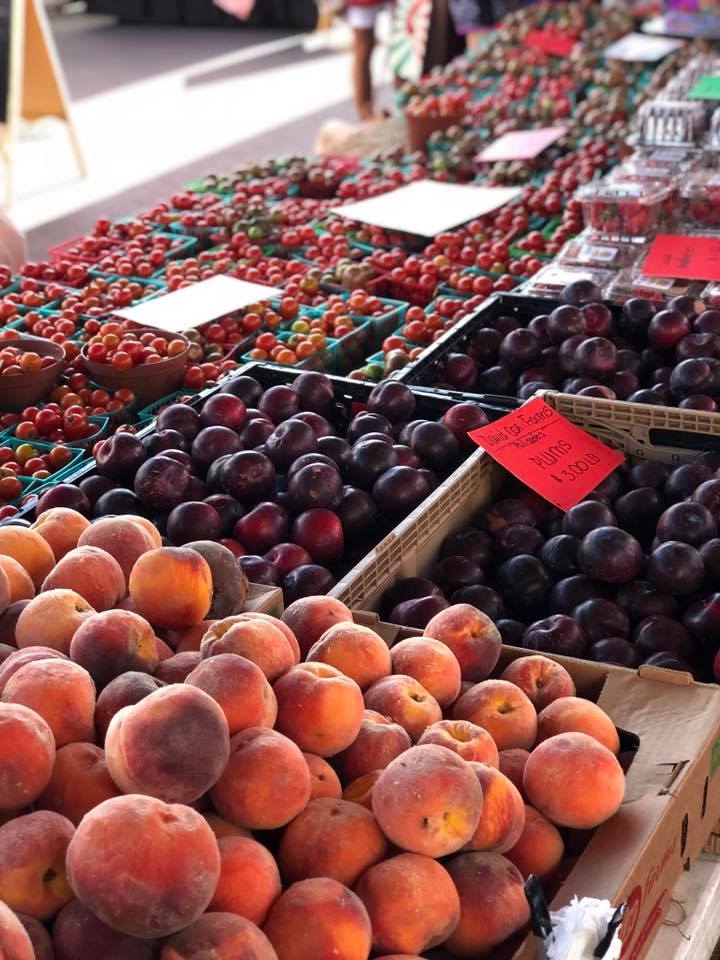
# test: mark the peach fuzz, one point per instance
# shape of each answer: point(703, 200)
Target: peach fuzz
point(173, 744)
point(319, 918)
point(503, 710)
point(223, 828)
point(278, 624)
point(265, 783)
point(249, 881)
point(575, 715)
point(121, 537)
point(405, 701)
point(574, 781)
point(256, 640)
point(114, 642)
point(541, 679)
point(15, 944)
point(123, 691)
point(503, 814)
point(430, 662)
point(219, 936)
point(149, 527)
point(379, 741)
point(324, 782)
point(39, 937)
point(78, 934)
point(178, 667)
point(170, 852)
point(60, 527)
point(32, 552)
point(27, 755)
point(19, 583)
point(331, 838)
point(171, 587)
point(492, 902)
point(61, 692)
point(540, 848)
point(354, 650)
point(18, 658)
point(464, 738)
point(512, 764)
point(319, 708)
point(32, 863)
point(412, 903)
point(310, 617)
point(428, 801)
point(189, 639)
point(51, 619)
point(240, 689)
point(92, 573)
point(472, 637)
point(361, 789)
point(79, 782)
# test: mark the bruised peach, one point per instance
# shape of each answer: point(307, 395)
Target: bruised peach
point(169, 851)
point(51, 619)
point(310, 617)
point(92, 573)
point(540, 847)
point(354, 650)
point(219, 936)
point(512, 764)
point(503, 813)
point(171, 587)
point(249, 881)
point(177, 669)
point(430, 662)
point(361, 789)
point(19, 582)
point(575, 715)
point(223, 828)
point(114, 642)
point(32, 863)
point(15, 944)
point(472, 637)
point(255, 639)
point(79, 782)
point(172, 745)
point(240, 689)
point(541, 679)
point(61, 692)
point(464, 738)
point(39, 937)
point(60, 527)
point(324, 782)
point(31, 551)
point(319, 918)
point(428, 800)
point(412, 903)
point(503, 710)
point(123, 691)
point(319, 708)
point(77, 934)
point(406, 702)
point(121, 537)
point(379, 741)
point(27, 755)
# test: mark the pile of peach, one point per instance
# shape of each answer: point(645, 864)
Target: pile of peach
point(179, 781)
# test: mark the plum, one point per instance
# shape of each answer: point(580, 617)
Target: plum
point(520, 349)
point(659, 633)
point(213, 442)
point(689, 521)
point(307, 580)
point(708, 494)
point(676, 568)
point(286, 557)
point(498, 380)
point(436, 445)
point(610, 555)
point(452, 573)
point(649, 473)
point(357, 510)
point(511, 631)
point(392, 400)
point(223, 410)
point(319, 425)
point(640, 599)
point(523, 583)
point(614, 650)
point(460, 370)
point(702, 620)
point(581, 292)
point(586, 516)
point(259, 570)
point(635, 319)
point(120, 456)
point(556, 634)
point(638, 511)
point(572, 591)
point(710, 555)
point(93, 488)
point(559, 555)
point(249, 476)
point(337, 449)
point(180, 417)
point(315, 485)
point(400, 490)
point(160, 483)
point(193, 521)
point(483, 598)
point(118, 501)
point(507, 511)
point(368, 423)
point(280, 403)
point(370, 459)
point(461, 419)
point(517, 538)
point(600, 618)
point(320, 532)
point(288, 441)
point(667, 328)
point(160, 440)
point(484, 346)
point(418, 613)
point(262, 527)
point(246, 388)
point(408, 588)
point(598, 320)
point(255, 432)
point(596, 357)
point(469, 542)
point(314, 391)
point(692, 376)
point(565, 321)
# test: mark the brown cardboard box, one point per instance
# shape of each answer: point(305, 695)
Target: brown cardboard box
point(672, 796)
point(264, 599)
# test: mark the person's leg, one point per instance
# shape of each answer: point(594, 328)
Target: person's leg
point(363, 46)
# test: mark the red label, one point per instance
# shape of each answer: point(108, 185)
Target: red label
point(558, 43)
point(548, 453)
point(683, 257)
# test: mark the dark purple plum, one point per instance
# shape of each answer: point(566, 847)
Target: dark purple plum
point(196, 489)
point(581, 292)
point(418, 613)
point(623, 383)
point(392, 400)
point(399, 490)
point(505, 512)
point(256, 432)
point(667, 328)
point(307, 580)
point(698, 345)
point(676, 568)
point(118, 501)
point(657, 634)
point(556, 634)
point(407, 429)
point(306, 459)
point(596, 357)
point(539, 326)
point(699, 402)
point(710, 554)
point(161, 482)
point(409, 588)
point(368, 423)
point(259, 570)
point(669, 661)
point(247, 388)
point(610, 555)
point(628, 360)
point(119, 456)
point(318, 424)
point(708, 494)
point(640, 599)
point(314, 391)
point(286, 557)
point(702, 619)
point(566, 354)
point(689, 522)
point(288, 441)
point(520, 349)
point(517, 538)
point(94, 487)
point(647, 396)
point(160, 440)
point(523, 583)
point(468, 542)
point(263, 527)
point(452, 573)
point(436, 445)
point(559, 555)
point(598, 390)
point(572, 591)
point(248, 476)
point(316, 485)
point(223, 410)
point(406, 456)
point(565, 321)
point(506, 324)
point(598, 320)
point(180, 417)
point(638, 511)
point(279, 403)
point(689, 306)
point(63, 495)
point(461, 419)
point(459, 370)
point(614, 650)
point(357, 511)
point(337, 449)
point(636, 316)
point(211, 443)
point(228, 509)
point(692, 377)
point(498, 380)
point(193, 521)
point(649, 473)
point(511, 631)
point(707, 322)
point(586, 516)
point(484, 346)
point(369, 459)
point(601, 618)
point(483, 598)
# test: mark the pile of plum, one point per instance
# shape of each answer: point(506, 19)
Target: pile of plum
point(666, 355)
point(629, 575)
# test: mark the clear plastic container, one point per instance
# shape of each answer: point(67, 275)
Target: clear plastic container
point(589, 250)
point(632, 283)
point(677, 160)
point(700, 205)
point(671, 123)
point(619, 209)
point(550, 281)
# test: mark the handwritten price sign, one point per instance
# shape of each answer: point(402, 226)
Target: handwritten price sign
point(548, 453)
point(683, 257)
point(558, 43)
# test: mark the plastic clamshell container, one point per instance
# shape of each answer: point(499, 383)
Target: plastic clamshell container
point(633, 283)
point(550, 281)
point(588, 250)
point(671, 123)
point(626, 208)
point(700, 206)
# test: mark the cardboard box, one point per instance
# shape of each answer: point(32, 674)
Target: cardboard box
point(264, 599)
point(672, 796)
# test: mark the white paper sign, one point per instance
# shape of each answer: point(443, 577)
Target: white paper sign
point(197, 304)
point(640, 48)
point(426, 207)
point(521, 144)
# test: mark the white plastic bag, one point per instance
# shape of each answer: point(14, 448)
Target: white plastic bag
point(12, 243)
point(236, 8)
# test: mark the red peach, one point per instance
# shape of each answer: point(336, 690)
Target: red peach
point(324, 780)
point(575, 715)
point(249, 881)
point(60, 527)
point(279, 625)
point(171, 587)
point(464, 738)
point(540, 848)
point(472, 637)
point(19, 582)
point(79, 782)
point(354, 650)
point(39, 937)
point(78, 934)
point(189, 639)
point(15, 944)
point(32, 863)
point(379, 741)
point(31, 551)
point(503, 814)
point(432, 664)
point(541, 679)
point(503, 710)
point(310, 617)
point(223, 828)
point(123, 691)
point(27, 754)
point(406, 702)
point(240, 689)
point(61, 692)
point(92, 573)
point(121, 537)
point(177, 669)
point(114, 642)
point(52, 619)
point(256, 640)
point(512, 764)
point(219, 936)
point(361, 790)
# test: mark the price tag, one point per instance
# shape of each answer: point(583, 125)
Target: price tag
point(548, 453)
point(683, 257)
point(558, 43)
point(706, 88)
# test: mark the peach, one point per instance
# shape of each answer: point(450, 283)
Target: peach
point(92, 573)
point(540, 847)
point(18, 579)
point(39, 937)
point(324, 782)
point(541, 679)
point(266, 782)
point(189, 639)
point(121, 537)
point(492, 902)
point(178, 667)
point(172, 745)
point(575, 715)
point(503, 814)
point(430, 662)
point(169, 851)
point(240, 689)
point(18, 658)
point(412, 903)
point(219, 936)
point(249, 881)
point(6, 651)
point(319, 708)
point(61, 692)
point(27, 755)
point(61, 527)
point(114, 642)
point(574, 781)
point(149, 528)
point(32, 863)
point(223, 828)
point(8, 623)
point(255, 639)
point(123, 691)
point(472, 637)
point(361, 789)
point(31, 551)
point(512, 764)
point(464, 738)
point(503, 710)
point(379, 741)
point(15, 944)
point(163, 651)
point(78, 934)
point(319, 918)
point(310, 617)
point(79, 782)
point(279, 625)
point(51, 619)
point(354, 650)
point(428, 800)
point(405, 701)
point(331, 838)
point(171, 587)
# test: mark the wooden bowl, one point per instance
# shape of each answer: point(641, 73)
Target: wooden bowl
point(148, 381)
point(26, 389)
